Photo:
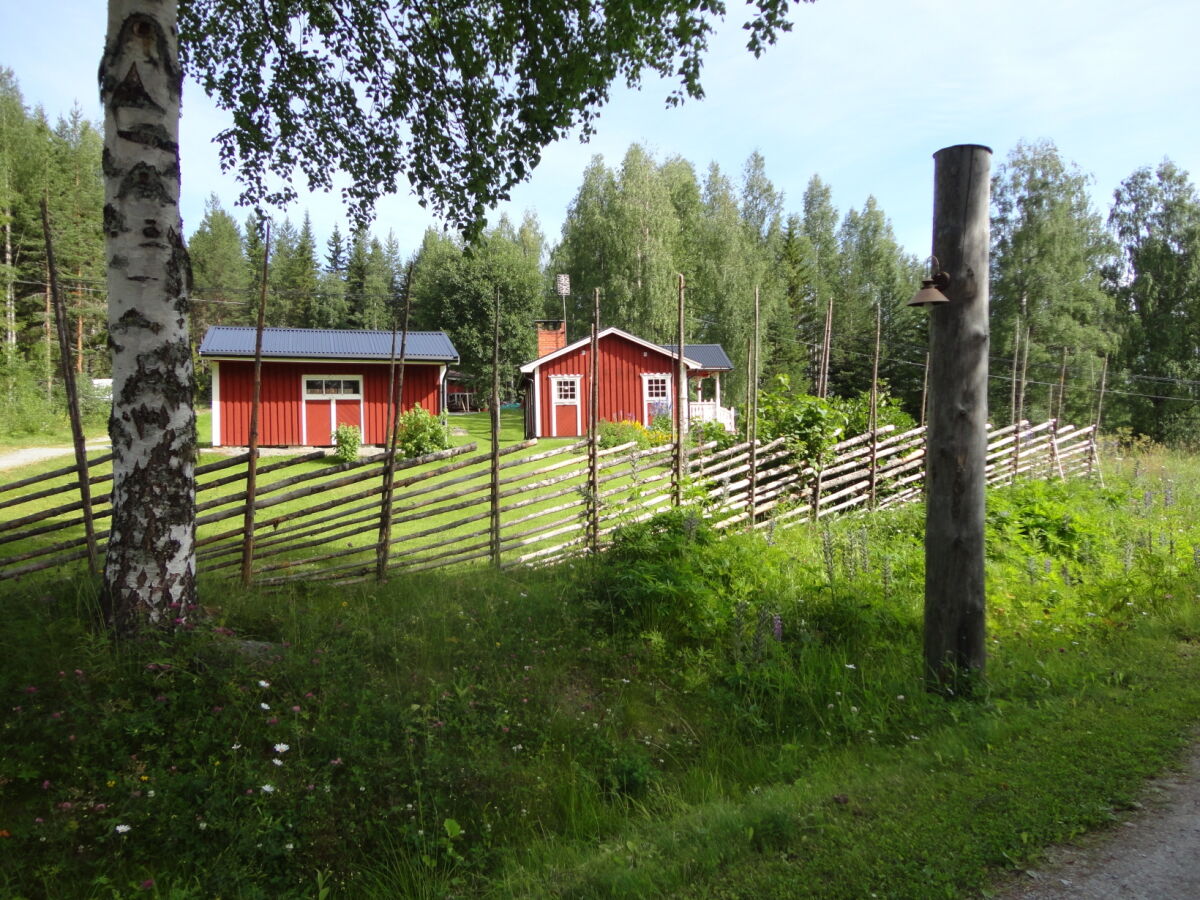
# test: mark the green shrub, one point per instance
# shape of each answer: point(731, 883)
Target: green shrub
point(348, 439)
point(711, 432)
point(421, 432)
point(614, 434)
point(810, 424)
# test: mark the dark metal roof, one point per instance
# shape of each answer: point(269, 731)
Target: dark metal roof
point(711, 357)
point(327, 343)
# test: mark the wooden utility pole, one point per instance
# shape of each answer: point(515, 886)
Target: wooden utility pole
point(255, 402)
point(826, 351)
point(1062, 386)
point(681, 402)
point(1093, 459)
point(77, 436)
point(956, 443)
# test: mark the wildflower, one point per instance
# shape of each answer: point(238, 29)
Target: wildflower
point(274, 720)
point(295, 709)
point(202, 826)
point(147, 884)
point(143, 778)
point(289, 846)
point(123, 829)
point(268, 788)
point(264, 706)
point(237, 747)
point(278, 762)
point(851, 666)
point(264, 684)
point(336, 762)
point(282, 748)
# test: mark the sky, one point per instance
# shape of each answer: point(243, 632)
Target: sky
point(861, 93)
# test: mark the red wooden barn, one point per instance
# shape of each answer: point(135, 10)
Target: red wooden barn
point(636, 383)
point(316, 379)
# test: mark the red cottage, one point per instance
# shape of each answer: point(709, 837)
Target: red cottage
point(316, 379)
point(636, 383)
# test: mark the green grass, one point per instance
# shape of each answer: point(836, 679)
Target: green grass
point(630, 728)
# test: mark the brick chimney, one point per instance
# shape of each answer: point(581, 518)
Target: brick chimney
point(551, 335)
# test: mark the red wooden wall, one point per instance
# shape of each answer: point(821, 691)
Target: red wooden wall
point(622, 363)
point(283, 393)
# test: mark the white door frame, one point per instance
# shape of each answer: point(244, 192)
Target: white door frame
point(305, 396)
point(556, 402)
point(646, 398)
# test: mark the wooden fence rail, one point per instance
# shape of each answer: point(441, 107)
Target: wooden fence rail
point(319, 521)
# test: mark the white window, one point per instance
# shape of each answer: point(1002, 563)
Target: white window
point(567, 391)
point(346, 387)
point(656, 388)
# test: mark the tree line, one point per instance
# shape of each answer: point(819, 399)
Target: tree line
point(1077, 296)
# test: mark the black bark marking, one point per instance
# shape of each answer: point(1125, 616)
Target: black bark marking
point(148, 135)
point(155, 49)
point(133, 318)
point(132, 94)
point(114, 220)
point(109, 166)
point(179, 272)
point(118, 262)
point(144, 182)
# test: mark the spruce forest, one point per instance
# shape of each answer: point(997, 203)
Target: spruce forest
point(1079, 295)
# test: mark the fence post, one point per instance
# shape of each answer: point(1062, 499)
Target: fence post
point(752, 424)
point(392, 434)
point(1093, 457)
point(81, 465)
point(874, 425)
point(680, 404)
point(255, 400)
point(593, 507)
point(494, 494)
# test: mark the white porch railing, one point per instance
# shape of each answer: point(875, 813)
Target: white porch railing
point(709, 411)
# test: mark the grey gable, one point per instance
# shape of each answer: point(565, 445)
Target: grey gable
point(327, 343)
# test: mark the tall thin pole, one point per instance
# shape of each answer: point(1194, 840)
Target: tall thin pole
point(78, 440)
point(255, 400)
point(925, 391)
point(1062, 386)
point(753, 427)
point(874, 427)
point(826, 351)
point(393, 434)
point(681, 402)
point(1093, 460)
point(495, 410)
point(593, 536)
point(1012, 395)
point(1020, 432)
point(955, 637)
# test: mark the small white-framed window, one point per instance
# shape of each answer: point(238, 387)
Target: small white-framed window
point(566, 391)
point(658, 387)
point(343, 387)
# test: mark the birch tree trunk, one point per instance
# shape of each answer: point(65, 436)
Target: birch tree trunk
point(149, 574)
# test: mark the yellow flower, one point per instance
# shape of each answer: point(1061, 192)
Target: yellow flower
point(143, 778)
point(110, 783)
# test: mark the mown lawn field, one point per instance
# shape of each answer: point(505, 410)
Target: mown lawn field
point(690, 715)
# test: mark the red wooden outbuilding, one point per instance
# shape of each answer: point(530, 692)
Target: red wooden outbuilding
point(636, 382)
point(316, 379)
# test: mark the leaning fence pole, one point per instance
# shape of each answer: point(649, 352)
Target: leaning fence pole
point(393, 434)
point(1062, 385)
point(494, 496)
point(78, 440)
point(874, 427)
point(593, 507)
point(1093, 459)
point(680, 410)
point(255, 400)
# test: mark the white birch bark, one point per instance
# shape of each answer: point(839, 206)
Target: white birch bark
point(149, 574)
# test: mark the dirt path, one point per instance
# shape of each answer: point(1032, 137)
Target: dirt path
point(29, 455)
point(1154, 854)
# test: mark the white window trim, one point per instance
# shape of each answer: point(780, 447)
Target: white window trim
point(555, 402)
point(646, 376)
point(305, 396)
point(216, 404)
